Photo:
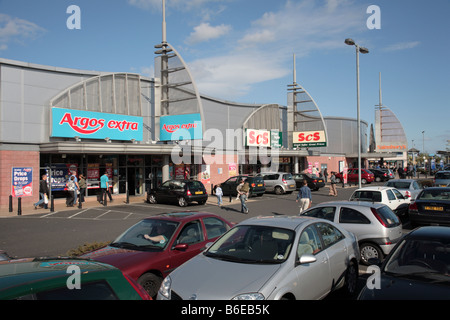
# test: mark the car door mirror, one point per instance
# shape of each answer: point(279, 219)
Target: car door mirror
point(181, 247)
point(306, 258)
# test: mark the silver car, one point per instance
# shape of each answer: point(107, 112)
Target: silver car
point(278, 182)
point(408, 187)
point(442, 178)
point(281, 257)
point(375, 226)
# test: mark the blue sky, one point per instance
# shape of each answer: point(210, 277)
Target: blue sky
point(241, 50)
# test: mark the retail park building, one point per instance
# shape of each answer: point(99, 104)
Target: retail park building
point(142, 131)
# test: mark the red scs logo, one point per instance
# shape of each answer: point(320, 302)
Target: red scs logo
point(258, 138)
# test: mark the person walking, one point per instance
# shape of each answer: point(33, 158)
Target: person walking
point(43, 193)
point(71, 191)
point(242, 190)
point(219, 194)
point(333, 191)
point(104, 185)
point(76, 187)
point(304, 195)
point(82, 184)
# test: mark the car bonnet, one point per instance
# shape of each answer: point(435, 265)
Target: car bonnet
point(206, 278)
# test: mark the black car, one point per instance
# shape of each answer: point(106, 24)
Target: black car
point(380, 175)
point(257, 187)
point(432, 206)
point(418, 268)
point(314, 182)
point(179, 191)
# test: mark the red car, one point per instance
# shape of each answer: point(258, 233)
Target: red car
point(352, 176)
point(148, 251)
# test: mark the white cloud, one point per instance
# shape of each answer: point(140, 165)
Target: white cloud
point(401, 46)
point(206, 32)
point(15, 29)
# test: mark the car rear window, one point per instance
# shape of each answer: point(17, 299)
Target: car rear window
point(442, 175)
point(388, 216)
point(398, 184)
point(196, 185)
point(287, 176)
point(363, 195)
point(435, 194)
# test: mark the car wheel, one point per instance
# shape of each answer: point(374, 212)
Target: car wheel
point(338, 180)
point(202, 202)
point(369, 251)
point(151, 283)
point(377, 179)
point(351, 279)
point(278, 190)
point(152, 199)
point(182, 202)
point(363, 181)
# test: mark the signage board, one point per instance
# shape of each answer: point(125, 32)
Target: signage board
point(181, 127)
point(22, 182)
point(309, 139)
point(70, 123)
point(257, 138)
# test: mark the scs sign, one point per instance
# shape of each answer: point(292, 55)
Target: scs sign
point(309, 139)
point(258, 138)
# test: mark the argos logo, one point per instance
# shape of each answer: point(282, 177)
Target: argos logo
point(83, 125)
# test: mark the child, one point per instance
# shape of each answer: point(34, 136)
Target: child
point(219, 195)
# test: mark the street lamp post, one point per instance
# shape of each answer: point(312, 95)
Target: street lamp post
point(363, 50)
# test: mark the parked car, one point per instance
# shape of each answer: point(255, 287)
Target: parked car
point(432, 205)
point(375, 226)
point(389, 172)
point(256, 184)
point(352, 176)
point(278, 182)
point(149, 261)
point(408, 187)
point(47, 279)
point(314, 182)
point(380, 175)
point(261, 258)
point(387, 195)
point(179, 191)
point(417, 269)
point(442, 178)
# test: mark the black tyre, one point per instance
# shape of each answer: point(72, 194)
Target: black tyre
point(151, 283)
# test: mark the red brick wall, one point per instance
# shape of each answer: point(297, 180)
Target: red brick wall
point(10, 159)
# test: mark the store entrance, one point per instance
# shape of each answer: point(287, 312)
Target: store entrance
point(135, 181)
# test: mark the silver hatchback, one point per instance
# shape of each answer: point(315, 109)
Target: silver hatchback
point(375, 225)
point(283, 257)
point(278, 182)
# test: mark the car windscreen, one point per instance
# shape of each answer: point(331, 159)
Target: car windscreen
point(253, 244)
point(139, 236)
point(442, 175)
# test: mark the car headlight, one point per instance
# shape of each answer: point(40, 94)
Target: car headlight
point(249, 296)
point(166, 285)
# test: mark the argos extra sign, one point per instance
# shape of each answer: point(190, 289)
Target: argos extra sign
point(69, 123)
point(309, 139)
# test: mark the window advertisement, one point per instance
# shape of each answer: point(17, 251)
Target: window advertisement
point(68, 123)
point(181, 127)
point(60, 173)
point(22, 182)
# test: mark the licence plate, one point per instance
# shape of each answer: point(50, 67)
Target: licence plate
point(198, 192)
point(292, 185)
point(434, 208)
point(260, 185)
point(443, 185)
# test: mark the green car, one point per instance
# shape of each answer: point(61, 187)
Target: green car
point(65, 279)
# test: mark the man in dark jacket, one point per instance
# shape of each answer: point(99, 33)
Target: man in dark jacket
point(43, 192)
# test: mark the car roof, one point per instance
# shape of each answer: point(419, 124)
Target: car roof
point(351, 203)
point(401, 180)
point(19, 271)
point(427, 232)
point(285, 222)
point(380, 188)
point(181, 216)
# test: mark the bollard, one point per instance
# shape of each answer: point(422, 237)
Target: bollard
point(52, 204)
point(128, 197)
point(105, 199)
point(80, 206)
point(19, 206)
point(10, 203)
